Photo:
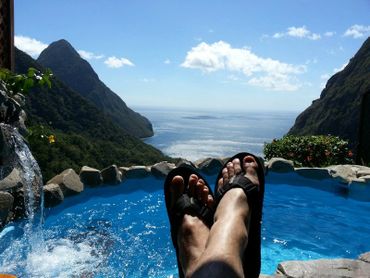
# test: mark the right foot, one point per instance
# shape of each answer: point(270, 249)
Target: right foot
point(234, 203)
point(193, 233)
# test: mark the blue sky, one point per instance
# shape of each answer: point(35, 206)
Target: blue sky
point(207, 54)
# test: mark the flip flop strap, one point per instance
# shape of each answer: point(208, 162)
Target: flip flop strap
point(190, 205)
point(239, 181)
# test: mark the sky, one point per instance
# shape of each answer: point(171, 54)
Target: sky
point(203, 54)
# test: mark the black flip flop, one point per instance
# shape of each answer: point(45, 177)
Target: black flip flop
point(252, 254)
point(184, 205)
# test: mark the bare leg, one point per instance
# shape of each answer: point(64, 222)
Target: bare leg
point(228, 236)
point(193, 233)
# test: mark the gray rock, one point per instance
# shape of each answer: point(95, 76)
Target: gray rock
point(6, 205)
point(69, 182)
point(12, 181)
point(313, 173)
point(365, 257)
point(53, 195)
point(363, 172)
point(135, 172)
point(161, 169)
point(91, 176)
point(185, 163)
point(324, 268)
point(366, 178)
point(111, 175)
point(342, 173)
point(280, 165)
point(210, 166)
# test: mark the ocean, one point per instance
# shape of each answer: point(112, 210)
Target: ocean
point(193, 134)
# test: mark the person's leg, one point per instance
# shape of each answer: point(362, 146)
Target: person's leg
point(228, 237)
point(193, 233)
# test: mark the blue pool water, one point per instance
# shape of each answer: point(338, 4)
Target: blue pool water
point(122, 231)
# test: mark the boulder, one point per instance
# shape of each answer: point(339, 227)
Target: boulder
point(185, 163)
point(313, 173)
point(53, 195)
point(363, 172)
point(280, 165)
point(342, 173)
point(12, 181)
point(69, 182)
point(161, 169)
point(6, 205)
point(365, 257)
point(366, 178)
point(91, 176)
point(324, 267)
point(210, 166)
point(135, 172)
point(111, 175)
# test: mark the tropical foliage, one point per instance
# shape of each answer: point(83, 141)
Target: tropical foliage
point(22, 83)
point(310, 151)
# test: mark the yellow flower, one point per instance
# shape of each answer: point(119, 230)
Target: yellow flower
point(51, 139)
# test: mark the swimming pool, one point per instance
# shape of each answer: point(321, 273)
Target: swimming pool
point(122, 231)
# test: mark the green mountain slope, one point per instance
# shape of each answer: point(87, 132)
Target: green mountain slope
point(337, 111)
point(77, 74)
point(84, 135)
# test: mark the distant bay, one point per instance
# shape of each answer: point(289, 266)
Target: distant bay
point(195, 134)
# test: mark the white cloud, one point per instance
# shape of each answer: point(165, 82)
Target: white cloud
point(357, 31)
point(29, 45)
point(114, 62)
point(297, 32)
point(167, 61)
point(329, 34)
point(272, 74)
point(148, 80)
point(89, 55)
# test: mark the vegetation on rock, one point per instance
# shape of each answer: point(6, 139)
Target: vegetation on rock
point(337, 111)
point(310, 151)
point(78, 75)
point(83, 134)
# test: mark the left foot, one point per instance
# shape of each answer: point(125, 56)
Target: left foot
point(193, 232)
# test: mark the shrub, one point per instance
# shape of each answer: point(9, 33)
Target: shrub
point(310, 151)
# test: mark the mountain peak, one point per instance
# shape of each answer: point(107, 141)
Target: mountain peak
point(59, 48)
point(67, 65)
point(337, 111)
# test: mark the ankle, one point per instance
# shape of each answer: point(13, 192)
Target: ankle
point(233, 204)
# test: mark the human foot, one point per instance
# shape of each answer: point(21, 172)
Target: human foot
point(239, 191)
point(189, 202)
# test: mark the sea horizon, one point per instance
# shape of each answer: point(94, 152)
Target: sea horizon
point(195, 134)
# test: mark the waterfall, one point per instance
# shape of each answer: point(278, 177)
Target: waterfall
point(22, 159)
point(32, 178)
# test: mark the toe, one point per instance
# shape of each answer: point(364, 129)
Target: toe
point(230, 170)
point(225, 175)
point(205, 193)
point(210, 201)
point(250, 166)
point(176, 188)
point(237, 166)
point(193, 179)
point(199, 190)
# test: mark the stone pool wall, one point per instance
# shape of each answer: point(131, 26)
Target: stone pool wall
point(344, 177)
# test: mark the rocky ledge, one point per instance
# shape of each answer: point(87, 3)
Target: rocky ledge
point(324, 268)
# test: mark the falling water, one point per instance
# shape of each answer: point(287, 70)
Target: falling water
point(30, 174)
